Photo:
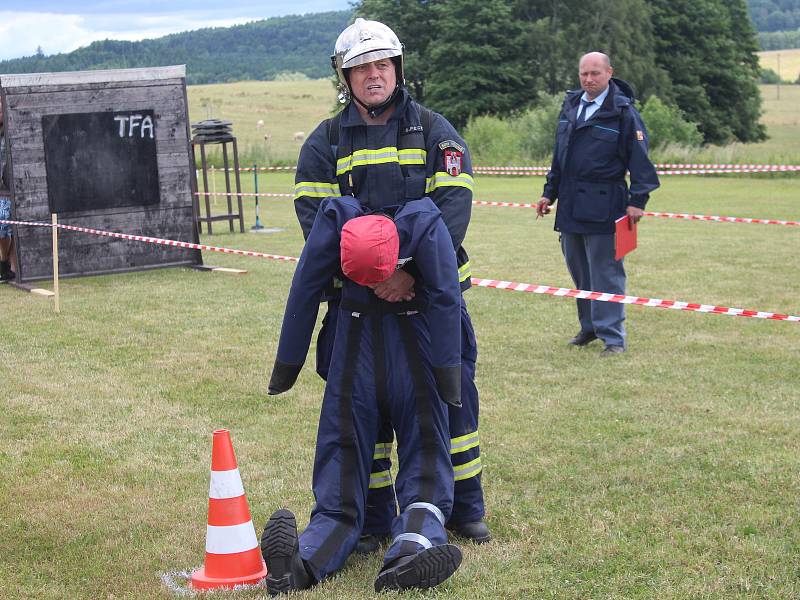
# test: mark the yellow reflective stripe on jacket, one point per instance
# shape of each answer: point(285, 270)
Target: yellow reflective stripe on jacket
point(381, 479)
point(389, 154)
point(464, 273)
point(466, 470)
point(316, 189)
point(442, 179)
point(412, 156)
point(464, 443)
point(382, 451)
point(366, 157)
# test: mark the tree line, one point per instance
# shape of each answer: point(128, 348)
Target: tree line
point(775, 15)
point(466, 58)
point(260, 50)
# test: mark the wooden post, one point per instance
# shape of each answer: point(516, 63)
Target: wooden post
point(55, 262)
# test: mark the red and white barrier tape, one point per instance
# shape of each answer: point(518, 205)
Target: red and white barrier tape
point(659, 214)
point(720, 219)
point(689, 166)
point(654, 302)
point(154, 240)
point(243, 194)
point(490, 283)
point(663, 168)
point(710, 171)
point(248, 169)
point(725, 166)
point(685, 216)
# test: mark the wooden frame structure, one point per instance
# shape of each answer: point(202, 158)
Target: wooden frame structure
point(100, 101)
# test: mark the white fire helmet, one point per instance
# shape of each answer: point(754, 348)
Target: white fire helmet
point(362, 42)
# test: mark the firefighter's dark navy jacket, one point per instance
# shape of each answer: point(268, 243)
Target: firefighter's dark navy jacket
point(423, 238)
point(387, 165)
point(590, 159)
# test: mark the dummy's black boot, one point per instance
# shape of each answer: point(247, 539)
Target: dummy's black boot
point(476, 531)
point(421, 571)
point(281, 552)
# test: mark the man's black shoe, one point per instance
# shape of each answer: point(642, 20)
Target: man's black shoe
point(476, 531)
point(610, 350)
point(423, 570)
point(583, 338)
point(370, 542)
point(281, 552)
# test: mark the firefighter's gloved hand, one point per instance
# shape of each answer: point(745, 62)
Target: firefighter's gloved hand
point(283, 377)
point(448, 382)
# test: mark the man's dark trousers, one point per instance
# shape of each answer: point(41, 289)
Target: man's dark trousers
point(590, 260)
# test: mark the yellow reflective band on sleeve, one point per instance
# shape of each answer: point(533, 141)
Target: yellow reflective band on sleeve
point(381, 479)
point(412, 156)
point(464, 443)
point(464, 272)
point(316, 189)
point(467, 470)
point(442, 179)
point(382, 451)
point(361, 158)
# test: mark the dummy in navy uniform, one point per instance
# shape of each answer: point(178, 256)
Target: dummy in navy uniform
point(400, 360)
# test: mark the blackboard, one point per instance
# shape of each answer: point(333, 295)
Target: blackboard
point(100, 160)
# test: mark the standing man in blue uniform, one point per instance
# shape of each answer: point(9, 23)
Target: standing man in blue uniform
point(396, 360)
point(600, 136)
point(385, 149)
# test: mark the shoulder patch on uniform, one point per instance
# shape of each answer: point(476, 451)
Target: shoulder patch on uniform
point(640, 135)
point(451, 144)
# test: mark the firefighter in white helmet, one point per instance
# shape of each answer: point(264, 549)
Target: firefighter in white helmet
point(385, 149)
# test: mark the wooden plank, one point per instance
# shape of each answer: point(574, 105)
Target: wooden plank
point(88, 100)
point(102, 77)
point(41, 89)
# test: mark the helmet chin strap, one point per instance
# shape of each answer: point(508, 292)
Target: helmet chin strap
point(377, 110)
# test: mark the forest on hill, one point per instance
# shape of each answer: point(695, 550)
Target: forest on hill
point(291, 46)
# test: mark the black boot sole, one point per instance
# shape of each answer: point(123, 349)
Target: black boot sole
point(278, 547)
point(425, 570)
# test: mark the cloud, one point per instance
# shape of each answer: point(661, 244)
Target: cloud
point(64, 26)
point(56, 33)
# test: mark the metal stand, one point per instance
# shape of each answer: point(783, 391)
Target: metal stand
point(230, 215)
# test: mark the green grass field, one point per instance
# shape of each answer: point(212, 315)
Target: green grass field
point(668, 472)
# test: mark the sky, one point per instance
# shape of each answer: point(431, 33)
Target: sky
point(65, 25)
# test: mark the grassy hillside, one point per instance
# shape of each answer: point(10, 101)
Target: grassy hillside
point(287, 107)
point(789, 66)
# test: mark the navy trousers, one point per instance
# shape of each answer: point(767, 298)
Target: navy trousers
point(590, 260)
point(465, 452)
point(353, 409)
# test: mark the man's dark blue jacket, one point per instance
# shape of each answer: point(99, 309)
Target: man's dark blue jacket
point(590, 159)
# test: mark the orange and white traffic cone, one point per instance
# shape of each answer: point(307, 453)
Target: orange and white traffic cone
point(233, 556)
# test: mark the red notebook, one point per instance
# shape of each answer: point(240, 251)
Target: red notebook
point(625, 238)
